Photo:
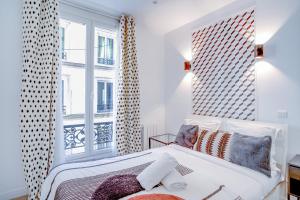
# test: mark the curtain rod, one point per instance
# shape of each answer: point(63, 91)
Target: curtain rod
point(89, 9)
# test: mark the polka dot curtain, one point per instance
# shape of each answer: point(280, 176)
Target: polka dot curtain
point(128, 132)
point(40, 32)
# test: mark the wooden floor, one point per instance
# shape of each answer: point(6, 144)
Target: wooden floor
point(21, 198)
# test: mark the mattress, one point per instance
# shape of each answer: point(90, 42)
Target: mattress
point(208, 174)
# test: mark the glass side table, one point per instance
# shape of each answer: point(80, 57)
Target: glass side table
point(165, 139)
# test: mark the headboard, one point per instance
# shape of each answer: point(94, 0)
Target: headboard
point(281, 143)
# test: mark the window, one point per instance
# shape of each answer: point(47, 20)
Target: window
point(104, 96)
point(105, 50)
point(88, 59)
point(63, 96)
point(105, 47)
point(62, 42)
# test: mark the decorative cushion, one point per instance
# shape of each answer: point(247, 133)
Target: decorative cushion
point(244, 150)
point(117, 187)
point(251, 152)
point(187, 136)
point(214, 143)
point(155, 197)
point(256, 131)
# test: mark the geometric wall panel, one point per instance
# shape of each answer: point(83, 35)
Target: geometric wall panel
point(223, 68)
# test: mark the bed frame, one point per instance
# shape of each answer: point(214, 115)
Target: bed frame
point(281, 145)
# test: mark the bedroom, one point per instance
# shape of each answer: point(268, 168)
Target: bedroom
point(166, 95)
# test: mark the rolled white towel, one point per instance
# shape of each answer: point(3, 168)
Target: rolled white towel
point(174, 181)
point(153, 174)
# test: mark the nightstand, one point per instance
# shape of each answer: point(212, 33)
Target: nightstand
point(294, 177)
point(165, 139)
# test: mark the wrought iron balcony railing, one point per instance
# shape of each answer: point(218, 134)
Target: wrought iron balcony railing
point(106, 61)
point(74, 135)
point(105, 108)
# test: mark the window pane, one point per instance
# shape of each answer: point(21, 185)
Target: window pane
point(62, 42)
point(73, 44)
point(73, 86)
point(104, 47)
point(101, 49)
point(110, 48)
point(109, 96)
point(103, 88)
point(100, 96)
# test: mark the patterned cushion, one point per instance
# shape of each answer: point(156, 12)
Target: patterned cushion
point(214, 143)
point(247, 151)
point(187, 136)
point(155, 197)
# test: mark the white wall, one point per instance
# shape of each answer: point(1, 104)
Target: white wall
point(150, 59)
point(278, 83)
point(278, 78)
point(11, 172)
point(150, 53)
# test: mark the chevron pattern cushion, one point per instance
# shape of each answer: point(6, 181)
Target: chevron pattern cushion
point(214, 143)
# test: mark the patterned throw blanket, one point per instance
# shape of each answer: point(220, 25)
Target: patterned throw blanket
point(117, 187)
point(84, 188)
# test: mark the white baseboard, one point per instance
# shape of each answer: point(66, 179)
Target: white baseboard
point(17, 192)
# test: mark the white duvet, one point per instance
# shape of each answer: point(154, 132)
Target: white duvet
point(209, 173)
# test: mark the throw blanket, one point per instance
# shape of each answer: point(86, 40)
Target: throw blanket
point(85, 188)
point(117, 187)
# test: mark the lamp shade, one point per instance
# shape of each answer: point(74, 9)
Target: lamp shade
point(259, 51)
point(187, 66)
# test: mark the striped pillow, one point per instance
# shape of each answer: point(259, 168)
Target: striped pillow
point(214, 143)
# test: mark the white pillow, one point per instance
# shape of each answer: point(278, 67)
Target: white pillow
point(256, 131)
point(204, 124)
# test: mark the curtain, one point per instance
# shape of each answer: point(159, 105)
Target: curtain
point(39, 89)
point(128, 132)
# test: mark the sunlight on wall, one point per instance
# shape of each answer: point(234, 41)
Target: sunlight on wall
point(264, 68)
point(187, 79)
point(185, 85)
point(187, 54)
point(262, 38)
point(268, 75)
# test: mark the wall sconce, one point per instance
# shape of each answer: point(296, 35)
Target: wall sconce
point(259, 51)
point(187, 66)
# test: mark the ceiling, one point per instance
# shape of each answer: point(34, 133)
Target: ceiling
point(165, 15)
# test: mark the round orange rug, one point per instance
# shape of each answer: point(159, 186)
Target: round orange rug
point(155, 197)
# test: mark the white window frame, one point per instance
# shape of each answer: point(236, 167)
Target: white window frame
point(92, 20)
point(67, 92)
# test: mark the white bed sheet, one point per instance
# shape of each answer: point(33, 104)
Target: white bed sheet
point(209, 173)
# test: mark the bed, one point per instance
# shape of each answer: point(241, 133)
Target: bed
point(203, 173)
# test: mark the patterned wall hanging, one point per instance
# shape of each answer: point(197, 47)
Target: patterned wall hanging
point(223, 65)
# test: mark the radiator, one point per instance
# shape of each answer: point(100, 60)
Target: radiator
point(148, 131)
